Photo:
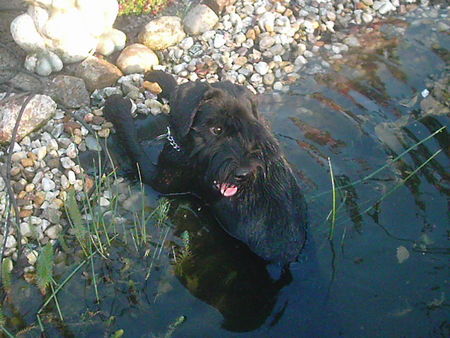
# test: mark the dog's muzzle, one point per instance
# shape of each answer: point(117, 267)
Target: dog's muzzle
point(240, 176)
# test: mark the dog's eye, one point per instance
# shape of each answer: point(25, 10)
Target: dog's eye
point(216, 130)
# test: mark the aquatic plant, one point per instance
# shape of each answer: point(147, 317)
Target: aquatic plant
point(128, 7)
point(6, 274)
point(44, 267)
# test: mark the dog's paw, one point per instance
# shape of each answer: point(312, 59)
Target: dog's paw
point(117, 109)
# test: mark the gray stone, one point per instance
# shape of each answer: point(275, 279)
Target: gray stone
point(68, 91)
point(38, 111)
point(199, 19)
point(161, 33)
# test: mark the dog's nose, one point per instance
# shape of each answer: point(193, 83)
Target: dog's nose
point(242, 173)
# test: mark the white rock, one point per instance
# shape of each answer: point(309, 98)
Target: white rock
point(267, 22)
point(20, 155)
point(104, 202)
point(278, 86)
point(262, 68)
point(53, 32)
point(367, 18)
point(64, 182)
point(32, 257)
point(187, 43)
point(72, 151)
point(136, 58)
point(53, 231)
point(386, 7)
point(11, 242)
point(67, 163)
point(300, 60)
point(219, 41)
point(71, 176)
point(199, 19)
point(25, 230)
point(47, 184)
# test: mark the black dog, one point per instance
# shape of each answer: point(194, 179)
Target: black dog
point(219, 149)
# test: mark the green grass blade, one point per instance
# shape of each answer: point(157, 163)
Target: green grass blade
point(333, 210)
point(398, 157)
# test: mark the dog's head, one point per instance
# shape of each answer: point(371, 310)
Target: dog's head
point(219, 128)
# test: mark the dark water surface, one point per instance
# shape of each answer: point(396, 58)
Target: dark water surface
point(384, 273)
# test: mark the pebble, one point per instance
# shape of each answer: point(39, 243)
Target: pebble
point(92, 144)
point(262, 68)
point(48, 184)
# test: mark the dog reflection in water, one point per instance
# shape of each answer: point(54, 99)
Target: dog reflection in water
point(220, 149)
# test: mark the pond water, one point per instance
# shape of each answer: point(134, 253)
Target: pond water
point(383, 273)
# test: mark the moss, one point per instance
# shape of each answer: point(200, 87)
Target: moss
point(136, 7)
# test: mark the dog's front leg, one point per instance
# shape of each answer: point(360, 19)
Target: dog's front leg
point(118, 111)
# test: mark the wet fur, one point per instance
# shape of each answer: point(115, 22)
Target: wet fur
point(268, 213)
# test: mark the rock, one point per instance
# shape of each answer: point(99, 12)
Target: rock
point(199, 19)
point(267, 22)
point(218, 5)
point(187, 43)
point(266, 42)
point(53, 231)
point(69, 91)
point(268, 79)
point(219, 41)
point(27, 162)
point(92, 143)
point(136, 58)
point(41, 152)
point(48, 184)
point(104, 202)
point(38, 111)
point(10, 242)
point(67, 163)
point(25, 230)
point(32, 257)
point(96, 73)
point(66, 31)
point(367, 17)
point(51, 214)
point(385, 8)
point(430, 106)
point(18, 156)
point(161, 33)
point(262, 68)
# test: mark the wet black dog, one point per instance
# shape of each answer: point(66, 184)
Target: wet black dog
point(219, 148)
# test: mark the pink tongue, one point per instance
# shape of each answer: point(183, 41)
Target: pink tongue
point(228, 190)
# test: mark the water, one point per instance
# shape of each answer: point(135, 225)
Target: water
point(385, 273)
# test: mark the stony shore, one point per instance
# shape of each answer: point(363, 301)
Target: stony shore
point(264, 45)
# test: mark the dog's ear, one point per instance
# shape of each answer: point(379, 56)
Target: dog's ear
point(184, 105)
point(242, 94)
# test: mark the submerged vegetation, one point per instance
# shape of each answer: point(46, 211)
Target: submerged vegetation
point(128, 7)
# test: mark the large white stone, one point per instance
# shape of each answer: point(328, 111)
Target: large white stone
point(199, 19)
point(136, 58)
point(161, 33)
point(66, 31)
